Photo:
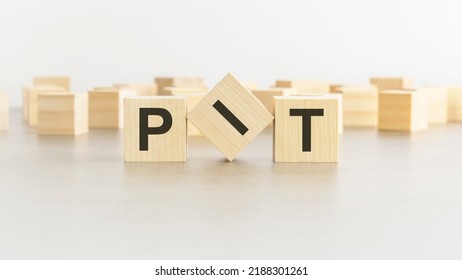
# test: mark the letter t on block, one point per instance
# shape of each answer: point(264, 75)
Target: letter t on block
point(155, 129)
point(306, 129)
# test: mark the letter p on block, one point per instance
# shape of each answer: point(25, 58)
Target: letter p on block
point(155, 129)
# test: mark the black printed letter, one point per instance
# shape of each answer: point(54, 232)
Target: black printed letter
point(145, 130)
point(306, 115)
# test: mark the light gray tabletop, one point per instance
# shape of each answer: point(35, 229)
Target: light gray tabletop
point(393, 195)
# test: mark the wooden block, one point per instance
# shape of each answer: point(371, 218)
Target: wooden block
point(106, 107)
point(251, 85)
point(32, 93)
point(141, 89)
point(192, 99)
point(360, 106)
point(185, 90)
point(265, 96)
point(4, 111)
point(58, 81)
point(391, 83)
point(230, 116)
point(155, 129)
point(438, 104)
point(305, 129)
point(455, 104)
point(403, 110)
point(336, 88)
point(62, 114)
point(305, 86)
point(163, 82)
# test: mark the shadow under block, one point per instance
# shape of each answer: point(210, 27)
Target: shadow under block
point(230, 116)
point(305, 86)
point(437, 104)
point(106, 107)
point(4, 111)
point(163, 82)
point(62, 114)
point(391, 83)
point(305, 129)
point(141, 89)
point(30, 97)
point(59, 81)
point(455, 104)
point(192, 99)
point(403, 110)
point(155, 129)
point(360, 106)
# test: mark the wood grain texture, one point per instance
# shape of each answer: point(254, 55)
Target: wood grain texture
point(403, 110)
point(360, 105)
point(62, 114)
point(437, 104)
point(32, 94)
point(106, 107)
point(4, 111)
point(339, 98)
point(163, 82)
point(455, 104)
point(287, 146)
point(392, 83)
point(192, 99)
point(59, 81)
point(305, 86)
point(168, 147)
point(242, 104)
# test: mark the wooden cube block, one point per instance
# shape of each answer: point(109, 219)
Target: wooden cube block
point(336, 88)
point(155, 129)
point(4, 111)
point(163, 82)
point(391, 83)
point(58, 81)
point(230, 116)
point(62, 114)
point(438, 104)
point(30, 103)
point(305, 86)
point(455, 104)
point(251, 85)
point(141, 89)
point(192, 99)
point(106, 107)
point(305, 129)
point(403, 110)
point(265, 96)
point(185, 90)
point(360, 106)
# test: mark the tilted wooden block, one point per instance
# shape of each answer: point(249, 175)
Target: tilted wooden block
point(438, 104)
point(62, 114)
point(455, 104)
point(360, 106)
point(155, 129)
point(163, 82)
point(230, 116)
point(185, 90)
point(305, 129)
point(305, 86)
point(141, 89)
point(4, 111)
point(30, 95)
point(59, 81)
point(391, 83)
point(192, 99)
point(106, 107)
point(403, 110)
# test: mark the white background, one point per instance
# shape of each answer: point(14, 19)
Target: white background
point(98, 43)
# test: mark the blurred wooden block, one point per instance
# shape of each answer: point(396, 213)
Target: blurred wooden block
point(25, 104)
point(438, 104)
point(106, 107)
point(391, 83)
point(251, 85)
point(141, 89)
point(185, 90)
point(455, 104)
point(58, 81)
point(230, 116)
point(403, 110)
point(265, 96)
point(336, 88)
point(305, 86)
point(31, 94)
point(163, 82)
point(155, 129)
point(192, 99)
point(360, 106)
point(4, 111)
point(62, 114)
point(305, 129)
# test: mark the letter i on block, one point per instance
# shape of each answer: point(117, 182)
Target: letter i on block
point(306, 129)
point(155, 129)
